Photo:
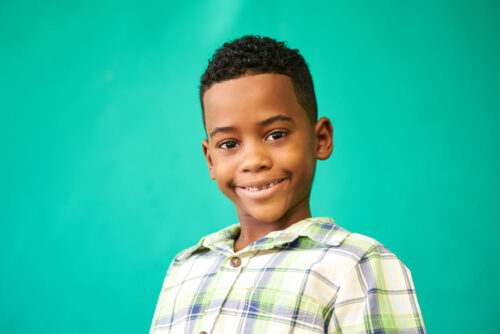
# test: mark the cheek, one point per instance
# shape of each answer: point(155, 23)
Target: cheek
point(300, 159)
point(224, 171)
point(302, 164)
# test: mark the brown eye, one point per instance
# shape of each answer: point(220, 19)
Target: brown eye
point(275, 135)
point(228, 145)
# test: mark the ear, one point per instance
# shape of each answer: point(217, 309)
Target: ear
point(206, 153)
point(324, 138)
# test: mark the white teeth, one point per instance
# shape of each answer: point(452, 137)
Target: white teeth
point(265, 186)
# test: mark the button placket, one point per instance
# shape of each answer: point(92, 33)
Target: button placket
point(229, 277)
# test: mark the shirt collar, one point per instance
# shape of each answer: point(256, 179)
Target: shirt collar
point(321, 230)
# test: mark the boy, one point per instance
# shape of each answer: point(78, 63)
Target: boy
point(278, 270)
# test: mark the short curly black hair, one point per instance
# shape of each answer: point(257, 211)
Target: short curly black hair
point(257, 55)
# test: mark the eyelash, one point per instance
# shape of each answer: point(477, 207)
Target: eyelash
point(283, 133)
point(225, 142)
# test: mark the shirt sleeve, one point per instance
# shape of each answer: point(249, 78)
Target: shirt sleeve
point(162, 295)
point(377, 296)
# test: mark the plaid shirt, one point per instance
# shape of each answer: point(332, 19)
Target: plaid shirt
point(313, 277)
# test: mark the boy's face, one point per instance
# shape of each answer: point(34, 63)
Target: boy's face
point(262, 147)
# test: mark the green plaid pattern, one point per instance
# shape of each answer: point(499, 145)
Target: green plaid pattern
point(313, 277)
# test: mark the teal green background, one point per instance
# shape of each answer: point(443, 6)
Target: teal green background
point(103, 179)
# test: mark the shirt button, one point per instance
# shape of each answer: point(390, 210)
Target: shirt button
point(235, 261)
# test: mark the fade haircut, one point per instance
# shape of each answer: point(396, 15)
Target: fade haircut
point(250, 55)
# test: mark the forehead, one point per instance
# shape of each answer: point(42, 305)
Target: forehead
point(250, 99)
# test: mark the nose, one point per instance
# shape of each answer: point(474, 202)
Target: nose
point(255, 158)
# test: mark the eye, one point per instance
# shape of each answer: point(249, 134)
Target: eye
point(228, 144)
point(275, 135)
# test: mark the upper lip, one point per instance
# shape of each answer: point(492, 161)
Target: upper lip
point(259, 183)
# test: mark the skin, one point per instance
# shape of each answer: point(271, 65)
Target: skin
point(259, 136)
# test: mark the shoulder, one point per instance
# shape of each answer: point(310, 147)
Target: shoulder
point(360, 246)
point(373, 267)
point(335, 252)
point(356, 254)
point(326, 233)
point(365, 252)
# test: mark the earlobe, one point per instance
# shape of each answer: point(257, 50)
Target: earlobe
point(206, 153)
point(324, 138)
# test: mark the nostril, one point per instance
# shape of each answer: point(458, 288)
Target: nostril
point(263, 167)
point(256, 165)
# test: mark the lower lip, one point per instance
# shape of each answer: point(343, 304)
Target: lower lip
point(260, 194)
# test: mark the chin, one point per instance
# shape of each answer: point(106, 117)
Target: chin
point(266, 216)
point(268, 219)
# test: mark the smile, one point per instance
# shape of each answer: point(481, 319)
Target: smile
point(258, 186)
point(264, 186)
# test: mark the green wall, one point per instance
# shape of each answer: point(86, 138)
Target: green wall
point(103, 181)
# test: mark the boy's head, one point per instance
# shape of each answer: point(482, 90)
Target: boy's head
point(250, 55)
point(263, 140)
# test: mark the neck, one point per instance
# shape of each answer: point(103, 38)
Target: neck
point(253, 229)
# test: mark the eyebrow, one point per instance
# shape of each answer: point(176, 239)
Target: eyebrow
point(277, 118)
point(262, 123)
point(222, 129)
